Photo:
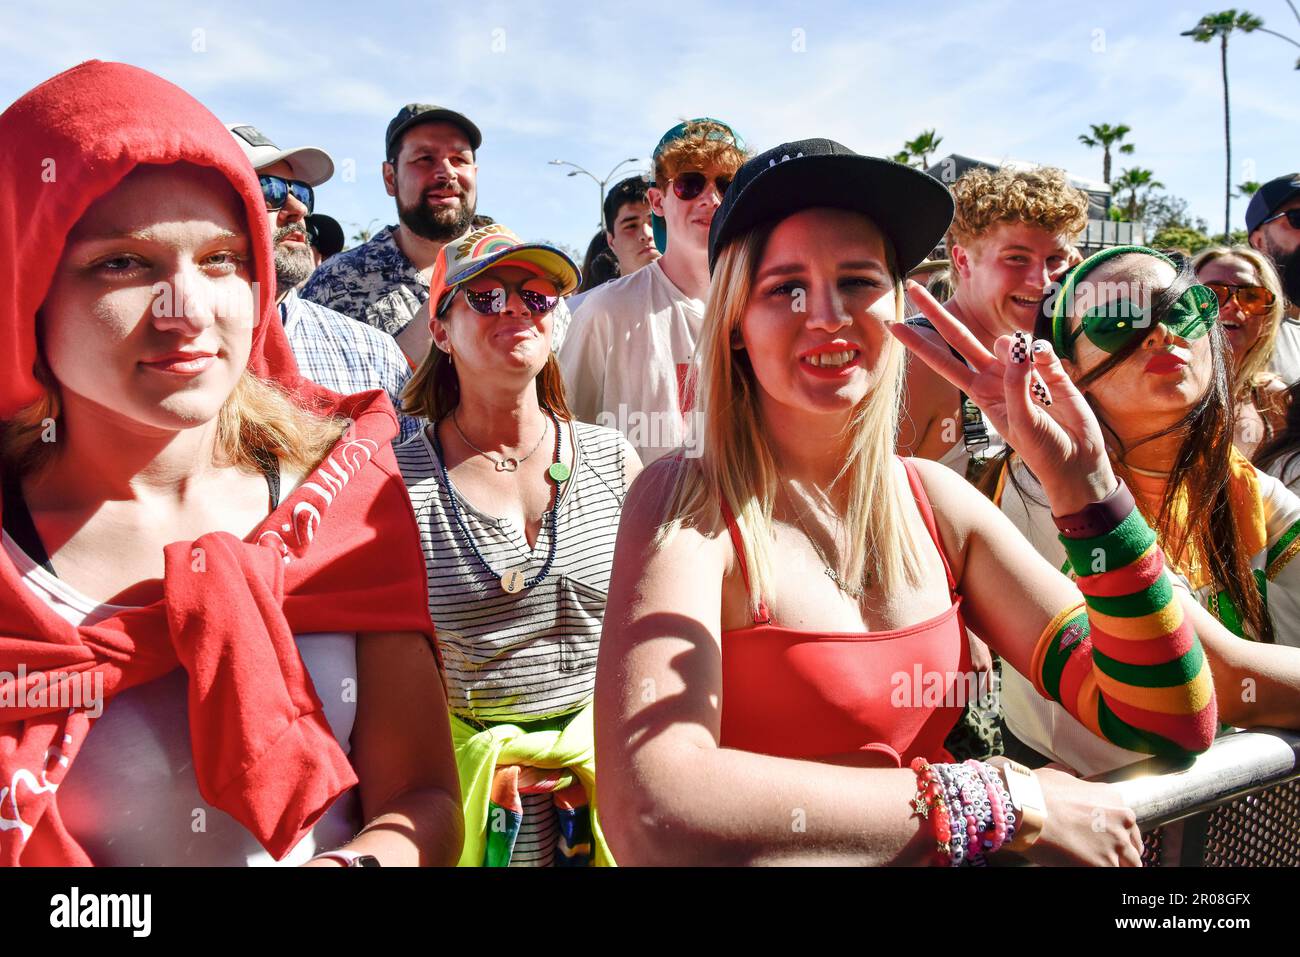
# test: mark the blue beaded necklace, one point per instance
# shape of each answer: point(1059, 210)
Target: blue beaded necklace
point(513, 580)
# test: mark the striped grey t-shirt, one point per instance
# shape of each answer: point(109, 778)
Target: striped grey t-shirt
point(532, 654)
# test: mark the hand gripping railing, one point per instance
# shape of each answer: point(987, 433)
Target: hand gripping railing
point(1237, 804)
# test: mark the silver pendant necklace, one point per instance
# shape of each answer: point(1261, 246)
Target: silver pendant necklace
point(508, 464)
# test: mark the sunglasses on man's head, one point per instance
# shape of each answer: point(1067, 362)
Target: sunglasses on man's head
point(1292, 217)
point(1251, 300)
point(487, 296)
point(276, 191)
point(690, 184)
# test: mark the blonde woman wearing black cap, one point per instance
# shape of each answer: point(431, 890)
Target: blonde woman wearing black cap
point(518, 506)
point(786, 650)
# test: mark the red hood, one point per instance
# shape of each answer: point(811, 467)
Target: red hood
point(68, 142)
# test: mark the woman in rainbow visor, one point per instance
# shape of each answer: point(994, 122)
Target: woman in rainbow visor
point(1139, 337)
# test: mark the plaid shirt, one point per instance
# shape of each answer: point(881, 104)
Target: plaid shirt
point(374, 283)
point(346, 356)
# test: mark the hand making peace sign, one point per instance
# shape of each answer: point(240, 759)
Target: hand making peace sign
point(1023, 389)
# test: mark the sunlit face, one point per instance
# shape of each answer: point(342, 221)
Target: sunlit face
point(1006, 271)
point(631, 238)
point(688, 220)
point(434, 179)
point(513, 343)
point(1279, 238)
point(1159, 383)
point(294, 257)
point(149, 318)
point(815, 327)
point(1241, 329)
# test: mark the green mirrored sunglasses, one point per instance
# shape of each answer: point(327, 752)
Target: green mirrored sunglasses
point(1114, 325)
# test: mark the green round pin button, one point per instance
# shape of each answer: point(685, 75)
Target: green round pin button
point(558, 471)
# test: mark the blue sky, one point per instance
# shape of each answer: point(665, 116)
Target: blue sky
point(596, 83)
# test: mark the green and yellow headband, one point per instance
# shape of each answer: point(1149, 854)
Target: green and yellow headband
point(1111, 326)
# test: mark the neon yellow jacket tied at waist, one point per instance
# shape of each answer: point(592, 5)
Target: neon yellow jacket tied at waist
point(479, 752)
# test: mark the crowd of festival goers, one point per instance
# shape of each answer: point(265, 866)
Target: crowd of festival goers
point(810, 521)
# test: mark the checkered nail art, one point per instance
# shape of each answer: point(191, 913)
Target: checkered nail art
point(1019, 348)
point(1039, 391)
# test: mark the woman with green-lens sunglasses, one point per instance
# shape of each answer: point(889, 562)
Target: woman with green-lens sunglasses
point(1139, 337)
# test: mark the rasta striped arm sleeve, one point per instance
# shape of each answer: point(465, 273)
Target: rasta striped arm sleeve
point(1126, 662)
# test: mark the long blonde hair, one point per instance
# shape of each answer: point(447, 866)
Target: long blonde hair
point(1252, 370)
point(257, 424)
point(736, 464)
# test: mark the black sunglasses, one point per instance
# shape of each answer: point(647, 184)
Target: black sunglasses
point(276, 191)
point(1292, 218)
point(690, 184)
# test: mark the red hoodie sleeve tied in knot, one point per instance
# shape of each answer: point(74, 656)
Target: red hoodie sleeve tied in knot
point(263, 751)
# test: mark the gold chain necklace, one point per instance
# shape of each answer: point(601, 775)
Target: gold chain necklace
point(854, 593)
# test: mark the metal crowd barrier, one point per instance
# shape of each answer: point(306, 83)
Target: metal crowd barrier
point(1236, 805)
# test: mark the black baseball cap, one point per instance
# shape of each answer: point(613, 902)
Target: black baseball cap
point(413, 114)
point(1270, 196)
point(326, 234)
point(911, 208)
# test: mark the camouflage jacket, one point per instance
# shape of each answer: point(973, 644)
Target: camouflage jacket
point(373, 282)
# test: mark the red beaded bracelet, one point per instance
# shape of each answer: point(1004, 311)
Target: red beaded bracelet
point(930, 798)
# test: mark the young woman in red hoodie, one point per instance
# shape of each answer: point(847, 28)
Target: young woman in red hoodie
point(209, 557)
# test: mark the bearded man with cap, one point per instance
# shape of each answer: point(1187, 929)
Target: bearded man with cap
point(1273, 224)
point(628, 351)
point(430, 168)
point(331, 349)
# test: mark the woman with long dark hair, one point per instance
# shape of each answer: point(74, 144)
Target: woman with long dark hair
point(1140, 340)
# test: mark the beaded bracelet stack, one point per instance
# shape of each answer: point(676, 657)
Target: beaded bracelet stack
point(968, 806)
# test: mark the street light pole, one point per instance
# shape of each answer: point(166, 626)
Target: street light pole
point(600, 183)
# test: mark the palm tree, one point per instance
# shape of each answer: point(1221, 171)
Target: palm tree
point(1248, 189)
point(921, 147)
point(1282, 36)
point(1106, 136)
point(1138, 182)
point(903, 156)
point(1222, 25)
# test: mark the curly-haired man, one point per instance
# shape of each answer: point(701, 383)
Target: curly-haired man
point(1012, 235)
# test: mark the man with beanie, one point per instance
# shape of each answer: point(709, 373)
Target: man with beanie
point(330, 348)
point(1273, 225)
point(631, 343)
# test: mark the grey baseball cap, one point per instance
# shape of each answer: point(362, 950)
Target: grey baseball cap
point(413, 114)
point(310, 165)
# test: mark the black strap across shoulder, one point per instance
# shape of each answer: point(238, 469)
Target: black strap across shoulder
point(974, 428)
point(22, 529)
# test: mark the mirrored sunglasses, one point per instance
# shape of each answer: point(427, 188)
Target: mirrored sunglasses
point(276, 191)
point(1114, 325)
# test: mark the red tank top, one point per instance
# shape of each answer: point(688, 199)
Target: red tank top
point(800, 694)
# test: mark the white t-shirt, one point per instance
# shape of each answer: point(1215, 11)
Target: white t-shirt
point(131, 799)
point(1046, 726)
point(626, 356)
point(1286, 352)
